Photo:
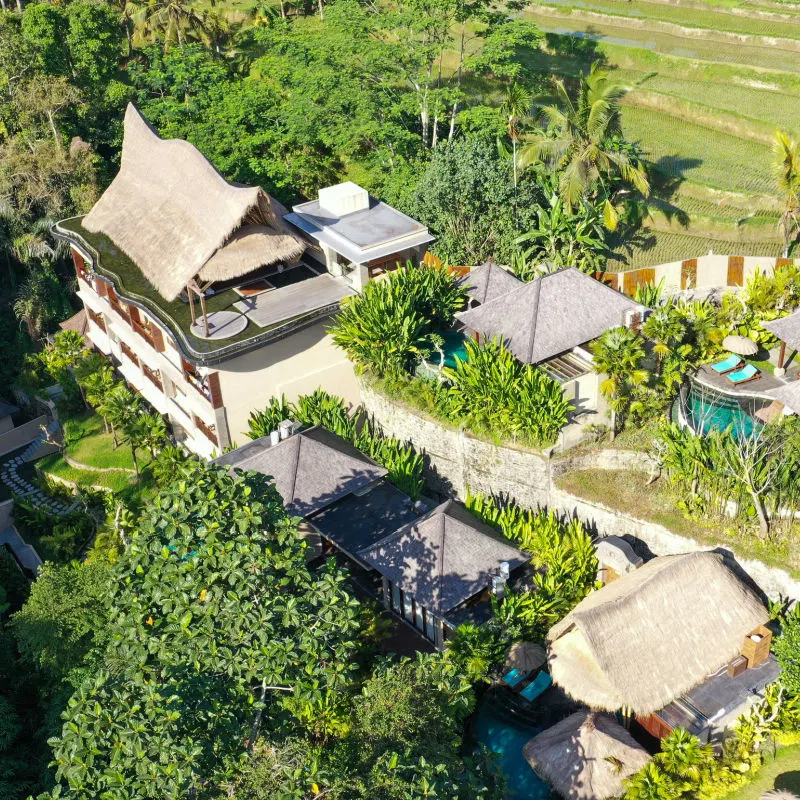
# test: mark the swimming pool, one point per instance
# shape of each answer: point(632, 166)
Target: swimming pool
point(454, 345)
point(505, 736)
point(706, 410)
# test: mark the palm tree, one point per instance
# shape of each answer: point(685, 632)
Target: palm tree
point(31, 307)
point(583, 141)
point(172, 19)
point(666, 330)
point(98, 387)
point(787, 175)
point(683, 756)
point(618, 354)
point(516, 109)
point(151, 433)
point(122, 407)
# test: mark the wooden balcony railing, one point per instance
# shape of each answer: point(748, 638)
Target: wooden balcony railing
point(200, 384)
point(129, 353)
point(209, 431)
point(97, 319)
point(154, 376)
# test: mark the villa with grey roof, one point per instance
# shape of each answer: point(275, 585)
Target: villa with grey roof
point(435, 569)
point(210, 296)
point(550, 322)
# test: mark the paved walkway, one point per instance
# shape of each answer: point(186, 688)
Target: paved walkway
point(21, 487)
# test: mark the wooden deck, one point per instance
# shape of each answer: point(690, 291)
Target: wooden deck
point(758, 388)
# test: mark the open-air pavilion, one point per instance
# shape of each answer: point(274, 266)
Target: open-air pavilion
point(787, 329)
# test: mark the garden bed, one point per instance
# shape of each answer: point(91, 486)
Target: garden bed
point(627, 492)
point(781, 773)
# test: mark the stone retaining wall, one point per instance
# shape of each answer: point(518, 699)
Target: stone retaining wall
point(455, 462)
point(79, 465)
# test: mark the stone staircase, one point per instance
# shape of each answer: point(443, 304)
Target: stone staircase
point(21, 487)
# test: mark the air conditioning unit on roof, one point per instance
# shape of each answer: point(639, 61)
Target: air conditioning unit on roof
point(344, 198)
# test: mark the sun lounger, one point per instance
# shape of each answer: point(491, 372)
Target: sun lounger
point(746, 374)
point(728, 365)
point(514, 678)
point(541, 682)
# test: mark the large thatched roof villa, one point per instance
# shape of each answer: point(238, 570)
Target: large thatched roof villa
point(207, 295)
point(657, 640)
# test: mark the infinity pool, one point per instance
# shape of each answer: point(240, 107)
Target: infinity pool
point(506, 736)
point(707, 410)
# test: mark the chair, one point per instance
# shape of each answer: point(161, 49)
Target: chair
point(746, 374)
point(514, 678)
point(538, 685)
point(728, 365)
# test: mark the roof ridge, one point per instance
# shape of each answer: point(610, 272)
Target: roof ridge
point(535, 316)
point(295, 465)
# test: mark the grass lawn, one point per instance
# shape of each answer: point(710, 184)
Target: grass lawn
point(627, 491)
point(782, 773)
point(88, 443)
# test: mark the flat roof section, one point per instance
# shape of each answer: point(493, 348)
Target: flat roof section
point(374, 232)
point(356, 522)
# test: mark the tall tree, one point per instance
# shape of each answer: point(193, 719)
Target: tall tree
point(582, 139)
point(787, 176)
point(516, 109)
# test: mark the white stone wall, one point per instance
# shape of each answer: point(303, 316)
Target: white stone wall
point(455, 461)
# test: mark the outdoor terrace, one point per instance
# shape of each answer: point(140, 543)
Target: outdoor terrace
point(273, 302)
point(754, 389)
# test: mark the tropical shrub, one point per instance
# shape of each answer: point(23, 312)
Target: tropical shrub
point(787, 650)
point(263, 422)
point(491, 391)
point(393, 323)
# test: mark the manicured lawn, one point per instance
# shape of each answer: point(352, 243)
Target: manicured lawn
point(782, 773)
point(88, 443)
point(627, 491)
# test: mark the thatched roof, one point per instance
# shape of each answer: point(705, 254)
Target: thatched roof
point(788, 394)
point(550, 315)
point(654, 634)
point(311, 470)
point(173, 214)
point(443, 558)
point(525, 656)
point(615, 552)
point(586, 757)
point(787, 329)
point(77, 322)
point(488, 281)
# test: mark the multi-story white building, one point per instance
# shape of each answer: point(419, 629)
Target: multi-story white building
point(209, 302)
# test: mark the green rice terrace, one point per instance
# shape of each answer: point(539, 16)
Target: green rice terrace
point(710, 81)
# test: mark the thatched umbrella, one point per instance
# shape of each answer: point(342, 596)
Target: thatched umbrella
point(779, 794)
point(525, 656)
point(586, 756)
point(740, 345)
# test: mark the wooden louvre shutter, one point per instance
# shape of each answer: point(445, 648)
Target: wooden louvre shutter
point(213, 387)
point(689, 273)
point(158, 338)
point(783, 262)
point(80, 264)
point(631, 280)
point(102, 288)
point(735, 270)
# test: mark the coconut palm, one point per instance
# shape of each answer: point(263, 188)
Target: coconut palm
point(31, 306)
point(97, 387)
point(787, 175)
point(516, 109)
point(172, 20)
point(151, 433)
point(666, 330)
point(683, 756)
point(618, 354)
point(583, 141)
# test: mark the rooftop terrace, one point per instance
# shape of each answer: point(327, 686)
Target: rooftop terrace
point(270, 298)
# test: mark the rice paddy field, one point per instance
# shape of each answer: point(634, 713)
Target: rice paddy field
point(710, 81)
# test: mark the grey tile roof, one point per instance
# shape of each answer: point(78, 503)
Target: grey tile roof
point(311, 470)
point(357, 522)
point(488, 281)
point(550, 315)
point(7, 409)
point(443, 558)
point(787, 329)
point(788, 394)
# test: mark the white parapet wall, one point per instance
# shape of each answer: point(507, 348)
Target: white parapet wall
point(711, 271)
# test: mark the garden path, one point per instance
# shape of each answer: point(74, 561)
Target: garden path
point(21, 487)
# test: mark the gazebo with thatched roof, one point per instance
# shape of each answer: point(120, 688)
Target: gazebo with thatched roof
point(586, 756)
point(787, 329)
point(645, 639)
point(182, 224)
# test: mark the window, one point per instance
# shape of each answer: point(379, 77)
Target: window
point(430, 625)
point(396, 598)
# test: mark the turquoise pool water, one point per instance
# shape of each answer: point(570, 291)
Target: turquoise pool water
point(708, 410)
point(507, 737)
point(453, 346)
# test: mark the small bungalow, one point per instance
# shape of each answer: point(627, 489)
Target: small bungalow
point(657, 641)
point(440, 570)
point(586, 756)
point(435, 571)
point(550, 322)
point(487, 282)
point(787, 329)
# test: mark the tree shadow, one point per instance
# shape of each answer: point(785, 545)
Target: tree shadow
point(789, 781)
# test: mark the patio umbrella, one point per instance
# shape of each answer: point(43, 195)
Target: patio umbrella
point(525, 656)
point(740, 345)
